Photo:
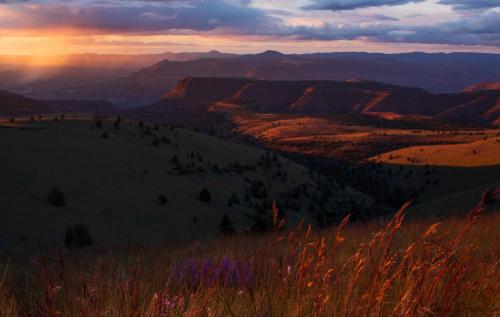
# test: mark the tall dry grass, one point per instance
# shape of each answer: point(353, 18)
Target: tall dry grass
point(449, 268)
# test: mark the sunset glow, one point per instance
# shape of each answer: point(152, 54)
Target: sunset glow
point(55, 27)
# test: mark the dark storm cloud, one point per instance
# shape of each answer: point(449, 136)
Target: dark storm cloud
point(340, 5)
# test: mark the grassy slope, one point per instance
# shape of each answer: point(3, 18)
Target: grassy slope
point(347, 138)
point(452, 204)
point(478, 153)
point(463, 175)
point(107, 188)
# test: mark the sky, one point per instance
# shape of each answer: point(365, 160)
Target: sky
point(45, 27)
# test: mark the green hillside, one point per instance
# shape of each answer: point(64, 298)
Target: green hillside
point(113, 184)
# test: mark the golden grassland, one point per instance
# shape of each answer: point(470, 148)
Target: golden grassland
point(331, 138)
point(421, 268)
point(484, 152)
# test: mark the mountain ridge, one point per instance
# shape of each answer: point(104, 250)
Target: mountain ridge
point(325, 98)
point(437, 73)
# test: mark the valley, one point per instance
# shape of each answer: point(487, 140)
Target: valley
point(357, 147)
point(349, 130)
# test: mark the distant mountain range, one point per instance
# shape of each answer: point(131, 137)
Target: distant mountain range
point(199, 98)
point(193, 97)
point(433, 72)
point(437, 73)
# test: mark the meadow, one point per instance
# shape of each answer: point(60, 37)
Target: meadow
point(393, 268)
point(358, 138)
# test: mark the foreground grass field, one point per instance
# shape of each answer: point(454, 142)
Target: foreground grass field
point(395, 269)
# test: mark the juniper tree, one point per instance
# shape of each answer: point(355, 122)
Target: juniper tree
point(205, 195)
point(233, 200)
point(226, 226)
point(174, 159)
point(77, 237)
point(162, 199)
point(56, 198)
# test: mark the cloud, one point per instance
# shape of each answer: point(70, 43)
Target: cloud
point(341, 5)
point(471, 4)
point(138, 16)
point(240, 18)
point(483, 29)
point(383, 17)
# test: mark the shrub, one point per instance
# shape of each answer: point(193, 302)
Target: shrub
point(163, 200)
point(56, 198)
point(233, 200)
point(156, 142)
point(105, 135)
point(77, 237)
point(174, 159)
point(226, 226)
point(256, 189)
point(205, 195)
point(165, 140)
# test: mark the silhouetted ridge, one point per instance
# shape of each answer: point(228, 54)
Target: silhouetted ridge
point(12, 105)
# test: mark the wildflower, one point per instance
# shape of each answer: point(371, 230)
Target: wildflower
point(208, 273)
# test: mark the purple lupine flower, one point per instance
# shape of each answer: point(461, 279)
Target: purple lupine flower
point(244, 275)
point(207, 270)
point(208, 273)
